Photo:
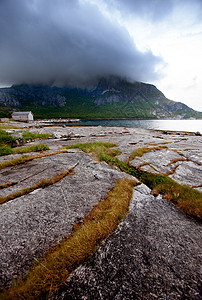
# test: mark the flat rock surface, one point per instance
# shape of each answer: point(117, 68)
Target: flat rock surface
point(31, 224)
point(180, 147)
point(153, 254)
point(155, 251)
point(159, 159)
point(188, 173)
point(28, 174)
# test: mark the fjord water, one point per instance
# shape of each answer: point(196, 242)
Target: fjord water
point(173, 125)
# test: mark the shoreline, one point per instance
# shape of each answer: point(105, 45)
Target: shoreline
point(72, 123)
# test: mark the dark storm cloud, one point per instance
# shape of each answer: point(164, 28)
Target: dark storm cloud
point(66, 41)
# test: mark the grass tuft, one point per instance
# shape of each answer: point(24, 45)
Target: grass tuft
point(97, 148)
point(5, 150)
point(53, 270)
point(6, 141)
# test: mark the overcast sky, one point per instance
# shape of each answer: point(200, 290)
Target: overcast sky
point(76, 41)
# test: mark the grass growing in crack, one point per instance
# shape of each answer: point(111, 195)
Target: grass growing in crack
point(53, 270)
point(30, 136)
point(175, 160)
point(41, 184)
point(6, 185)
point(141, 151)
point(26, 158)
point(34, 148)
point(184, 197)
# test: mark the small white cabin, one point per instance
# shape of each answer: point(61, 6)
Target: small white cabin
point(24, 116)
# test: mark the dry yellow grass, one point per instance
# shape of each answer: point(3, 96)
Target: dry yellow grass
point(26, 158)
point(41, 184)
point(6, 185)
point(53, 270)
point(158, 144)
point(174, 160)
point(184, 197)
point(140, 151)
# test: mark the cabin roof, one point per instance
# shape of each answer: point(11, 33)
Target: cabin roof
point(17, 113)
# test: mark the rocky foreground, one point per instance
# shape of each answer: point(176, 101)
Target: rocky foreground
point(155, 251)
point(154, 254)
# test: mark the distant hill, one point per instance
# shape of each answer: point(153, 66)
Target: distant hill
point(111, 97)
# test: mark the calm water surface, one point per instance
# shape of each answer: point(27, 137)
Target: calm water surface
point(178, 125)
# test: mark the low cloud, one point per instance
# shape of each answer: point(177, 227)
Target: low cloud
point(66, 42)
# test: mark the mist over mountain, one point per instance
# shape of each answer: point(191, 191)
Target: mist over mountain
point(64, 42)
point(110, 97)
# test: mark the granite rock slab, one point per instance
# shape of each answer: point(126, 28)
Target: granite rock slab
point(31, 224)
point(153, 254)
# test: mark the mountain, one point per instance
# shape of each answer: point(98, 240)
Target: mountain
point(111, 97)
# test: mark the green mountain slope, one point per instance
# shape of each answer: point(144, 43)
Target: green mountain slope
point(112, 97)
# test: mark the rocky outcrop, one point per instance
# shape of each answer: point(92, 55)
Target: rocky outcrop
point(153, 254)
point(155, 251)
point(18, 95)
point(8, 99)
